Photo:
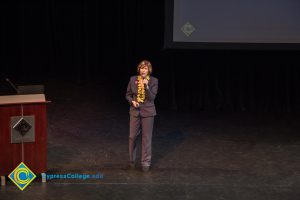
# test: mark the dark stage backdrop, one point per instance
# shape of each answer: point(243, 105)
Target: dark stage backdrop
point(101, 42)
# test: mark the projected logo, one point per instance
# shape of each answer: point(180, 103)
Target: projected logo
point(188, 29)
point(22, 176)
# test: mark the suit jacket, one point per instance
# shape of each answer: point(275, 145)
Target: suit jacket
point(147, 108)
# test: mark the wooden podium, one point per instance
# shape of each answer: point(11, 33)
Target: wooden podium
point(32, 151)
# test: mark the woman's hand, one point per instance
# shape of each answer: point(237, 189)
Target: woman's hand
point(135, 104)
point(145, 81)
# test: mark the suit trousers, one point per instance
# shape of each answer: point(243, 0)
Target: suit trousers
point(141, 125)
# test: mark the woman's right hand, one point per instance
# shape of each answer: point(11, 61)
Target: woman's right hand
point(135, 104)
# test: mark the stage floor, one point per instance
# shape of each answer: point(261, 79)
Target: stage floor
point(209, 155)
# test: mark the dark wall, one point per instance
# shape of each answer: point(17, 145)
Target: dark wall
point(101, 42)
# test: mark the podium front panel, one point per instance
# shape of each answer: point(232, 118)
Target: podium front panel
point(35, 155)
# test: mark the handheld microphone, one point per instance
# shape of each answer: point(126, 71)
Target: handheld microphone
point(145, 85)
point(12, 85)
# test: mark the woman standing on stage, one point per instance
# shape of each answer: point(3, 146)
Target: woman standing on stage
point(141, 92)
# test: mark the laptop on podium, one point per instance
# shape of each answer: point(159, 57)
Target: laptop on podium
point(30, 89)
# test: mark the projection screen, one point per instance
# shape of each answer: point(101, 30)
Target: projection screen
point(232, 24)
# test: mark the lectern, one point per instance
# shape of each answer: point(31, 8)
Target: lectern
point(23, 133)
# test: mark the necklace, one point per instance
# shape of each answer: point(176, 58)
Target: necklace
point(141, 89)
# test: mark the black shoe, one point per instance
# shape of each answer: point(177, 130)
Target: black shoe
point(146, 168)
point(132, 165)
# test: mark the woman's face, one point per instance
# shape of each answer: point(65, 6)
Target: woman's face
point(144, 71)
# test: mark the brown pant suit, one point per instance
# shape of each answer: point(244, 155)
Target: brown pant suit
point(141, 119)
